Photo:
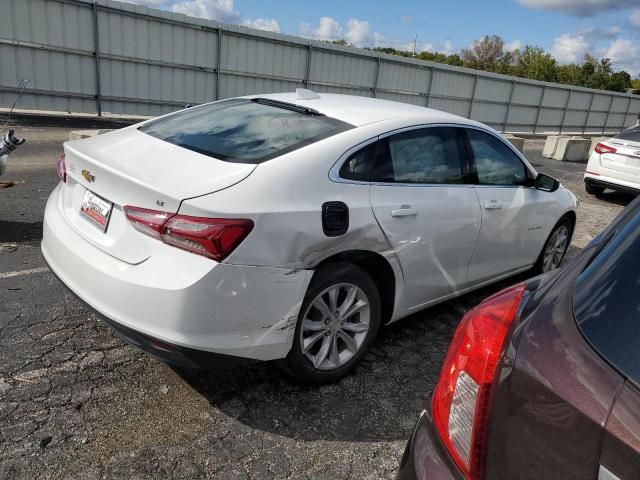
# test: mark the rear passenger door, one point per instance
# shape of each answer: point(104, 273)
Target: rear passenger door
point(515, 221)
point(428, 213)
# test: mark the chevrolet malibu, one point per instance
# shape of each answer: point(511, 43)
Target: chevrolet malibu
point(292, 226)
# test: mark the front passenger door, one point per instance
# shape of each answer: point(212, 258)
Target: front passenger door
point(514, 223)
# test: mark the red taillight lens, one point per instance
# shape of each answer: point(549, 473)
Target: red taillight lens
point(602, 148)
point(212, 237)
point(147, 221)
point(462, 395)
point(61, 168)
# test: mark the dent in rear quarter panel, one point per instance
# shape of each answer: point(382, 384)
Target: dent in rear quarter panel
point(550, 406)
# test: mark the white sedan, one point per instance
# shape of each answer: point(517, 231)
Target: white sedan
point(615, 164)
point(292, 226)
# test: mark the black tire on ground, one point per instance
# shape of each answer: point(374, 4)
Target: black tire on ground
point(563, 222)
point(297, 364)
point(593, 189)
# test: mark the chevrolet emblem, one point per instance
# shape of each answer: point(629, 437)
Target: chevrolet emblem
point(87, 175)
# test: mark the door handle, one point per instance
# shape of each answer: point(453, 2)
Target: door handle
point(493, 205)
point(404, 211)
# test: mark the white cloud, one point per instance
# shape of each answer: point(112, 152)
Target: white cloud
point(580, 7)
point(269, 24)
point(634, 18)
point(568, 48)
point(328, 29)
point(446, 48)
point(406, 19)
point(511, 46)
point(359, 33)
point(220, 10)
point(625, 55)
point(614, 30)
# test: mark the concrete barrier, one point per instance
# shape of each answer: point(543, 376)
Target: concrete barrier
point(572, 149)
point(517, 142)
point(80, 134)
point(550, 145)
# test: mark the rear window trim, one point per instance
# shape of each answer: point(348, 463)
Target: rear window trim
point(341, 124)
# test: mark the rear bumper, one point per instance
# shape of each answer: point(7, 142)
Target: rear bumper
point(612, 183)
point(166, 352)
point(424, 458)
point(187, 301)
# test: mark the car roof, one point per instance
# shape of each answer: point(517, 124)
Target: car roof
point(360, 111)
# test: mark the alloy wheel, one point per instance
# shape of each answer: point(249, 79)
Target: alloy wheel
point(555, 249)
point(335, 326)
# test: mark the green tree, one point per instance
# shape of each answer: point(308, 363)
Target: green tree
point(485, 54)
point(570, 74)
point(619, 81)
point(533, 62)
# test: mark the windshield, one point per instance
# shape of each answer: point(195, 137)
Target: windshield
point(245, 130)
point(606, 302)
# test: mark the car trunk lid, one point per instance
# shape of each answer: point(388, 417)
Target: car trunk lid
point(128, 167)
point(626, 159)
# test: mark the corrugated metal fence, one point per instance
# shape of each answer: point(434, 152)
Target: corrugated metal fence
point(112, 57)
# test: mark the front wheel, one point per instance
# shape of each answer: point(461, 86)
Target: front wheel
point(338, 321)
point(555, 247)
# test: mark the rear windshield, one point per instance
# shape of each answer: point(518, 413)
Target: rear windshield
point(606, 301)
point(630, 135)
point(243, 130)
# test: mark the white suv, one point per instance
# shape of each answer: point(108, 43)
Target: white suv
point(615, 164)
point(292, 226)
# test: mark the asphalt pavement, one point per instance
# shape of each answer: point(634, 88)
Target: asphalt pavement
point(78, 403)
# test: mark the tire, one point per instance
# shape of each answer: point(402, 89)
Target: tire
point(542, 264)
point(593, 189)
point(323, 328)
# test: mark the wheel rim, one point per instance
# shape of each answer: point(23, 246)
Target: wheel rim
point(335, 326)
point(555, 249)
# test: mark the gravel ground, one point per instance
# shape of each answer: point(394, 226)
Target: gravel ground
point(76, 402)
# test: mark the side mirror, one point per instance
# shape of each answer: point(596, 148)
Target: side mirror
point(546, 183)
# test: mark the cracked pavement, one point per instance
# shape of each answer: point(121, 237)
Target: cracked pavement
point(77, 402)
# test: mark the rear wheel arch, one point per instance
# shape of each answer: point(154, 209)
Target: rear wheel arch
point(378, 268)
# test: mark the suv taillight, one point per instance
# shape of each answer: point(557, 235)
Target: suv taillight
point(61, 168)
point(602, 148)
point(462, 395)
point(215, 238)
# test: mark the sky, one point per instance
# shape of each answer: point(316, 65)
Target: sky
point(566, 28)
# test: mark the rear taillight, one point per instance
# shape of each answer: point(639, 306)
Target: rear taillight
point(212, 237)
point(602, 148)
point(463, 393)
point(215, 238)
point(147, 221)
point(61, 168)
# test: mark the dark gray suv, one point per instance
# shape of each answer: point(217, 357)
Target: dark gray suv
point(542, 380)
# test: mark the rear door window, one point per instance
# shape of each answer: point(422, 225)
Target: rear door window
point(424, 156)
point(606, 303)
point(245, 130)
